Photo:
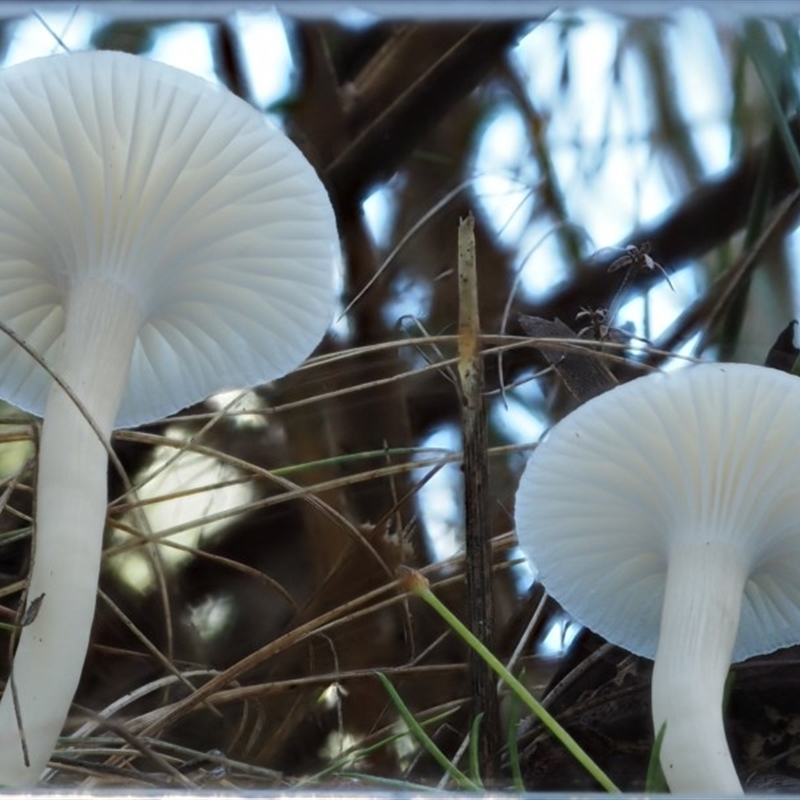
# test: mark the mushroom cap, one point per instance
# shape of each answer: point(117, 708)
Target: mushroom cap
point(710, 453)
point(120, 169)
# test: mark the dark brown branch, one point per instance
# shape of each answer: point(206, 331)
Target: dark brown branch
point(392, 113)
point(477, 528)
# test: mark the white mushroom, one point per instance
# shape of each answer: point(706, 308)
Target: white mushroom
point(665, 516)
point(159, 242)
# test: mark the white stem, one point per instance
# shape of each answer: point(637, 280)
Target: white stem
point(699, 621)
point(102, 322)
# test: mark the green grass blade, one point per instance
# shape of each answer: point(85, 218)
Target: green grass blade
point(513, 746)
point(422, 737)
point(418, 585)
point(655, 782)
point(474, 751)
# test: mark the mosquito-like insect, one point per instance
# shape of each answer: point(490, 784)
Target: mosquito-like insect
point(28, 616)
point(634, 260)
point(597, 327)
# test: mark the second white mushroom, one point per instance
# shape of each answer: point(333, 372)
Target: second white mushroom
point(665, 516)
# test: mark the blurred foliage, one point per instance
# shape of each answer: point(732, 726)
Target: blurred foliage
point(243, 654)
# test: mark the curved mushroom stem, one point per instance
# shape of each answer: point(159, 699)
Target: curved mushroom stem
point(101, 326)
point(699, 622)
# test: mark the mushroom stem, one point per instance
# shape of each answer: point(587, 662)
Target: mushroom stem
point(102, 322)
point(699, 622)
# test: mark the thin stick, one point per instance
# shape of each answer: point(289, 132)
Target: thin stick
point(480, 607)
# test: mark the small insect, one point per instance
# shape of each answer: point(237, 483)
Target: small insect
point(28, 616)
point(597, 327)
point(32, 611)
point(634, 260)
point(638, 257)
